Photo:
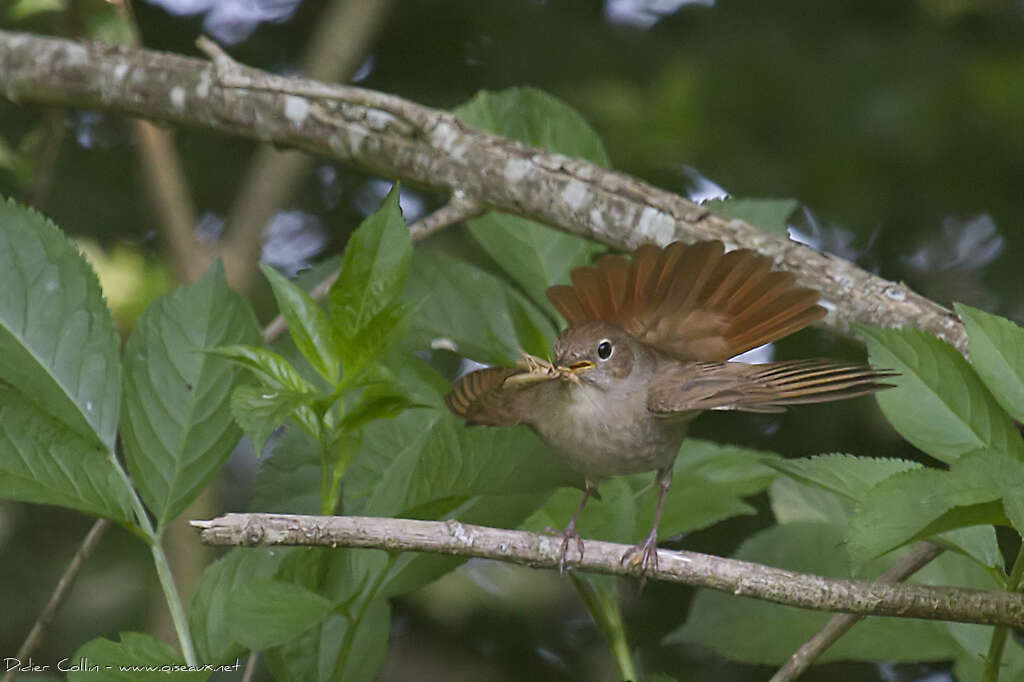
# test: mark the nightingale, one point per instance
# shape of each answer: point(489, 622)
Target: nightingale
point(645, 351)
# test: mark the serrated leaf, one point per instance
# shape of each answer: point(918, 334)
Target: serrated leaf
point(735, 627)
point(846, 475)
point(265, 613)
point(771, 215)
point(58, 344)
point(308, 324)
point(259, 411)
point(137, 657)
point(939, 405)
point(208, 617)
point(41, 460)
point(468, 310)
point(997, 353)
point(534, 255)
point(373, 277)
point(177, 428)
point(794, 502)
point(923, 503)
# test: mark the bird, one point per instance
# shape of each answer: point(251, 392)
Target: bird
point(646, 349)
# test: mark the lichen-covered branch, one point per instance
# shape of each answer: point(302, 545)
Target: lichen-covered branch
point(390, 136)
point(742, 578)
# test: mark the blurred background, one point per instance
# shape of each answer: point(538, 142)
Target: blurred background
point(897, 124)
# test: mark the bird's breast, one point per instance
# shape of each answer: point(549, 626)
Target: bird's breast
point(604, 434)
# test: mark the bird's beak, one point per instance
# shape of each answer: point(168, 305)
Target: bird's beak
point(581, 366)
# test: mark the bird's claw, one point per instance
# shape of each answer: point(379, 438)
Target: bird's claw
point(644, 555)
point(568, 535)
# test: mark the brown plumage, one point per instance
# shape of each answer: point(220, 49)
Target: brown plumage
point(645, 352)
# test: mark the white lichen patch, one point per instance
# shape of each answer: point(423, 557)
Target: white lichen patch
point(120, 71)
point(379, 120)
point(575, 195)
point(178, 98)
point(656, 226)
point(597, 223)
point(516, 169)
point(895, 293)
point(296, 109)
point(444, 135)
point(203, 86)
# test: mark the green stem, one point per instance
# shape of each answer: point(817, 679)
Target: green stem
point(600, 595)
point(995, 648)
point(354, 623)
point(326, 481)
point(163, 568)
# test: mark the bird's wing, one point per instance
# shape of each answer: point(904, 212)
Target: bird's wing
point(692, 302)
point(770, 387)
point(495, 396)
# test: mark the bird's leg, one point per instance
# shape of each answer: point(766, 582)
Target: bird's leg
point(646, 553)
point(570, 533)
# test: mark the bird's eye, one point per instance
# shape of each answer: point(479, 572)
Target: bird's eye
point(604, 349)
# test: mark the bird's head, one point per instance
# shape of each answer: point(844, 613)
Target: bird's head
point(595, 352)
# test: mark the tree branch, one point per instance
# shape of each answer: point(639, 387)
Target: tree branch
point(742, 578)
point(38, 631)
point(387, 135)
point(922, 554)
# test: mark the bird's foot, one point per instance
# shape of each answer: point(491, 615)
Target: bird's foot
point(644, 555)
point(569, 535)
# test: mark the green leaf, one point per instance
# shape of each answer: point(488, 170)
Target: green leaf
point(794, 502)
point(771, 215)
point(177, 429)
point(23, 9)
point(922, 503)
point(734, 627)
point(426, 455)
point(269, 368)
point(939, 405)
point(709, 482)
point(276, 374)
point(471, 311)
point(534, 255)
point(997, 353)
point(288, 481)
point(43, 461)
point(209, 618)
point(379, 401)
point(308, 325)
point(259, 411)
point(136, 658)
point(58, 344)
point(265, 613)
point(846, 475)
point(373, 277)
point(317, 654)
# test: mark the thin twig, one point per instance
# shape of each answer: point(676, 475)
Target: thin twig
point(742, 578)
point(35, 635)
point(453, 212)
point(919, 556)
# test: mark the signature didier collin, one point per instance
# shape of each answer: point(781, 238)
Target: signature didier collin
point(64, 665)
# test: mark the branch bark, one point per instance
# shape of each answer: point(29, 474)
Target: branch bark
point(742, 578)
point(922, 554)
point(390, 136)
